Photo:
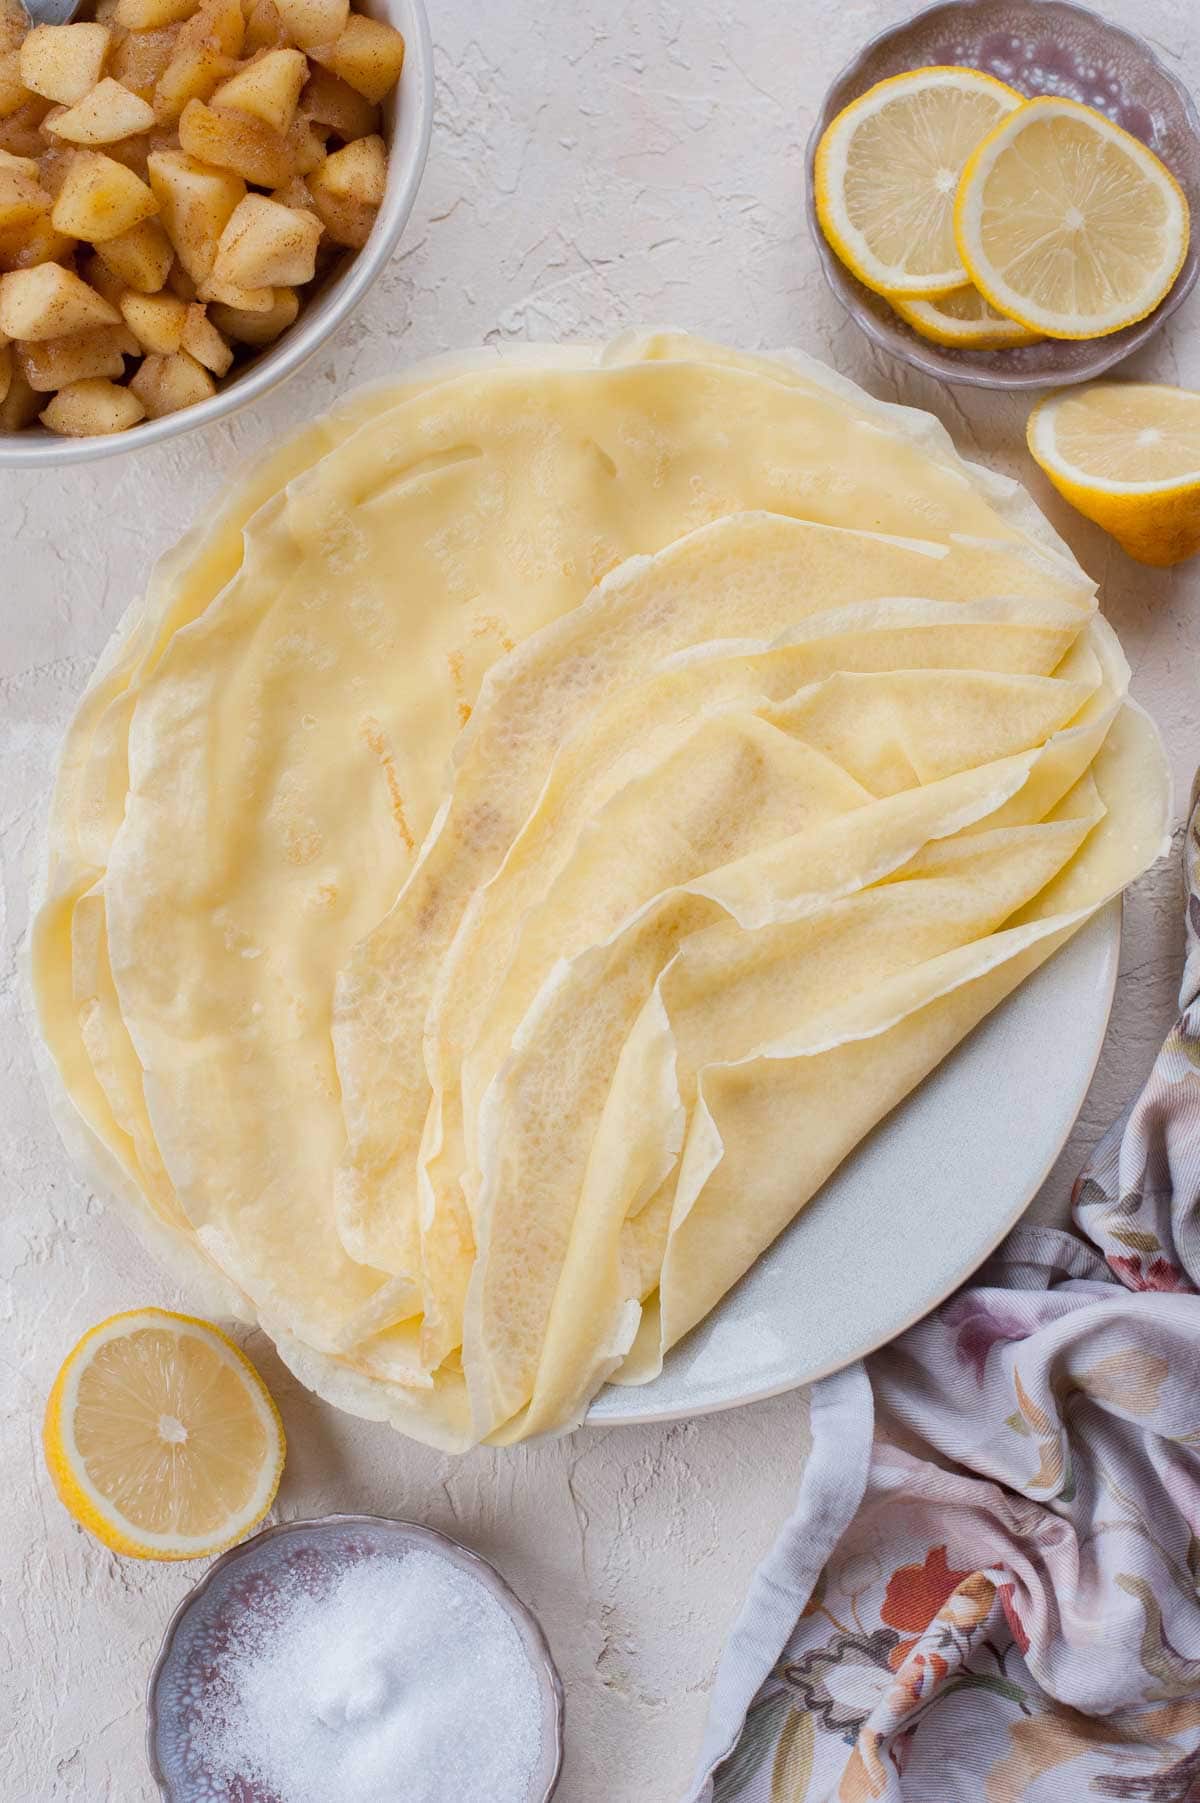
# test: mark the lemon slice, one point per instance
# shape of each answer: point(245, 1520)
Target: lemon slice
point(161, 1437)
point(887, 170)
point(1067, 223)
point(964, 319)
point(1127, 455)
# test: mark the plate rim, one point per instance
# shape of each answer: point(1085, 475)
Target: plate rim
point(1108, 959)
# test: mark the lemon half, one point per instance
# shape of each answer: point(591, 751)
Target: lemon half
point(887, 170)
point(1067, 223)
point(161, 1437)
point(1127, 455)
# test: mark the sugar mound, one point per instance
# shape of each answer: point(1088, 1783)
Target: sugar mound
point(394, 1676)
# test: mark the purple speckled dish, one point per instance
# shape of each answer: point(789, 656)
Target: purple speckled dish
point(1038, 47)
point(199, 1627)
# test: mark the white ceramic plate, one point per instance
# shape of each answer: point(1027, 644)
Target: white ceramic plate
point(914, 1210)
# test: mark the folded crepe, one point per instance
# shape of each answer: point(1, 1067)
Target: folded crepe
point(404, 823)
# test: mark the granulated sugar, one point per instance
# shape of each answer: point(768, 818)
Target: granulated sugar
point(396, 1677)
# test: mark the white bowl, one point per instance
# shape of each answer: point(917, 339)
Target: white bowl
point(408, 121)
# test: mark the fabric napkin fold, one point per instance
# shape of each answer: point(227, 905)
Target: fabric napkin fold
point(987, 1592)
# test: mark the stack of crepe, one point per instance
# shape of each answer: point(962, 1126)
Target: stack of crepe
point(530, 835)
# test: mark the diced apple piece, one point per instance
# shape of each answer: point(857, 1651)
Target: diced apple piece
point(267, 89)
point(193, 73)
point(92, 408)
point(76, 357)
point(346, 220)
point(237, 142)
point(20, 131)
point(180, 282)
point(264, 27)
point(152, 15)
point(309, 22)
point(220, 23)
point(105, 13)
point(24, 246)
point(48, 301)
point(108, 113)
point(257, 328)
point(98, 275)
point(306, 145)
point(23, 165)
point(13, 92)
point(202, 341)
point(140, 58)
point(63, 62)
point(20, 405)
point(165, 384)
point(156, 320)
point(14, 23)
point(266, 245)
point(196, 203)
point(140, 257)
point(368, 54)
point(329, 101)
point(100, 199)
point(22, 197)
point(357, 172)
point(53, 165)
point(233, 294)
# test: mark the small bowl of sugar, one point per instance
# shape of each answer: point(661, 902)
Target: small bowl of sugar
point(355, 1658)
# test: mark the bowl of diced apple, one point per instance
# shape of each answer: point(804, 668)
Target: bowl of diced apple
point(193, 195)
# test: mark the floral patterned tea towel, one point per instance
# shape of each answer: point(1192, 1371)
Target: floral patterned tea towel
point(988, 1590)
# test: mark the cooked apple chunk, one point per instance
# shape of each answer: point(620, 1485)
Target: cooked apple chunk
point(63, 62)
point(91, 408)
point(267, 89)
point(264, 27)
point(13, 92)
point(368, 54)
point(152, 15)
point(220, 23)
point(101, 198)
point(329, 101)
point(347, 220)
point(202, 340)
point(22, 197)
point(20, 405)
point(268, 245)
point(156, 320)
point(236, 142)
point(165, 384)
point(52, 363)
point(109, 113)
point(196, 203)
point(194, 72)
point(233, 294)
point(140, 58)
point(140, 258)
point(48, 301)
point(257, 328)
point(357, 172)
point(24, 246)
point(14, 23)
point(311, 22)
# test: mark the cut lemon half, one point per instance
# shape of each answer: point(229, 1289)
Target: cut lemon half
point(1127, 455)
point(1067, 223)
point(161, 1437)
point(887, 171)
point(964, 319)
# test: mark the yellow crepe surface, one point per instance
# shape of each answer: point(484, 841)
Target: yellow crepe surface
point(549, 792)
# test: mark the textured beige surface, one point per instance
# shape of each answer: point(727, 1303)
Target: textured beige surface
point(593, 166)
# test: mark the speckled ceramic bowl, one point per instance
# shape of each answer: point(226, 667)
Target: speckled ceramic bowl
point(198, 1625)
point(1038, 47)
